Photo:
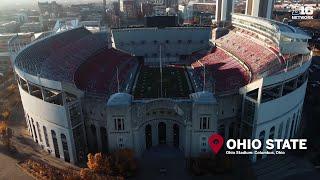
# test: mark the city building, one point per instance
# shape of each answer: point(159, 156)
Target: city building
point(9, 27)
point(116, 8)
point(128, 8)
point(5, 52)
point(142, 87)
point(147, 9)
point(31, 27)
point(53, 9)
point(199, 13)
point(259, 8)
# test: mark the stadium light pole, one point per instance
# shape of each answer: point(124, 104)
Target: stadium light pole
point(160, 73)
point(118, 79)
point(204, 76)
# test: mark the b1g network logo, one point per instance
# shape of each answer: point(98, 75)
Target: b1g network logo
point(255, 146)
point(300, 11)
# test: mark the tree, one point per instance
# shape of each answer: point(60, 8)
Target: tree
point(5, 114)
point(3, 128)
point(86, 173)
point(5, 134)
point(119, 163)
point(99, 163)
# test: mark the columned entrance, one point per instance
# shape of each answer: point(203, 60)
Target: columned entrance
point(176, 135)
point(148, 134)
point(162, 135)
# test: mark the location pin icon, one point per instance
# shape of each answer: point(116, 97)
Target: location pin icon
point(216, 142)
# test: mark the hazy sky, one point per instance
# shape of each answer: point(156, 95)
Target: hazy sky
point(11, 3)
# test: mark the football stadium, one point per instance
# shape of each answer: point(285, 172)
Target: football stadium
point(143, 87)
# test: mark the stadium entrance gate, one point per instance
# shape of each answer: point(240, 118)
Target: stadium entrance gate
point(161, 123)
point(166, 133)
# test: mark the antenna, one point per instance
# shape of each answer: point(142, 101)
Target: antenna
point(118, 79)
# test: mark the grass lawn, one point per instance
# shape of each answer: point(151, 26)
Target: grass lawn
point(174, 83)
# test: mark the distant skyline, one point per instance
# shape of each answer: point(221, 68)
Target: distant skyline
point(10, 4)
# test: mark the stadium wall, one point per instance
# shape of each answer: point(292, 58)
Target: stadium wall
point(53, 118)
point(262, 118)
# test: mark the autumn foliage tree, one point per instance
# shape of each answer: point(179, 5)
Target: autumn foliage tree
point(118, 164)
point(3, 128)
point(5, 134)
point(99, 163)
point(5, 114)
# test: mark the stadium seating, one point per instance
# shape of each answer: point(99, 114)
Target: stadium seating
point(223, 72)
point(257, 57)
point(71, 57)
point(32, 58)
point(99, 73)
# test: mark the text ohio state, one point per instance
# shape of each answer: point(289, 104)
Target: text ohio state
point(256, 144)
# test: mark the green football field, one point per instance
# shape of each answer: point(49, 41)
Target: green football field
point(174, 83)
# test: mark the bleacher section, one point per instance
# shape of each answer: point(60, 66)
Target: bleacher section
point(30, 59)
point(260, 59)
point(99, 73)
point(62, 64)
point(223, 72)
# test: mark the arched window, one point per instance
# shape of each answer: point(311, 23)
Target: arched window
point(298, 120)
point(65, 148)
point(39, 132)
point(28, 123)
point(271, 133)
point(280, 131)
point(287, 128)
point(30, 128)
point(291, 128)
point(162, 133)
point(104, 139)
point(34, 130)
point(46, 136)
point(148, 136)
point(55, 144)
point(261, 138)
point(95, 140)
